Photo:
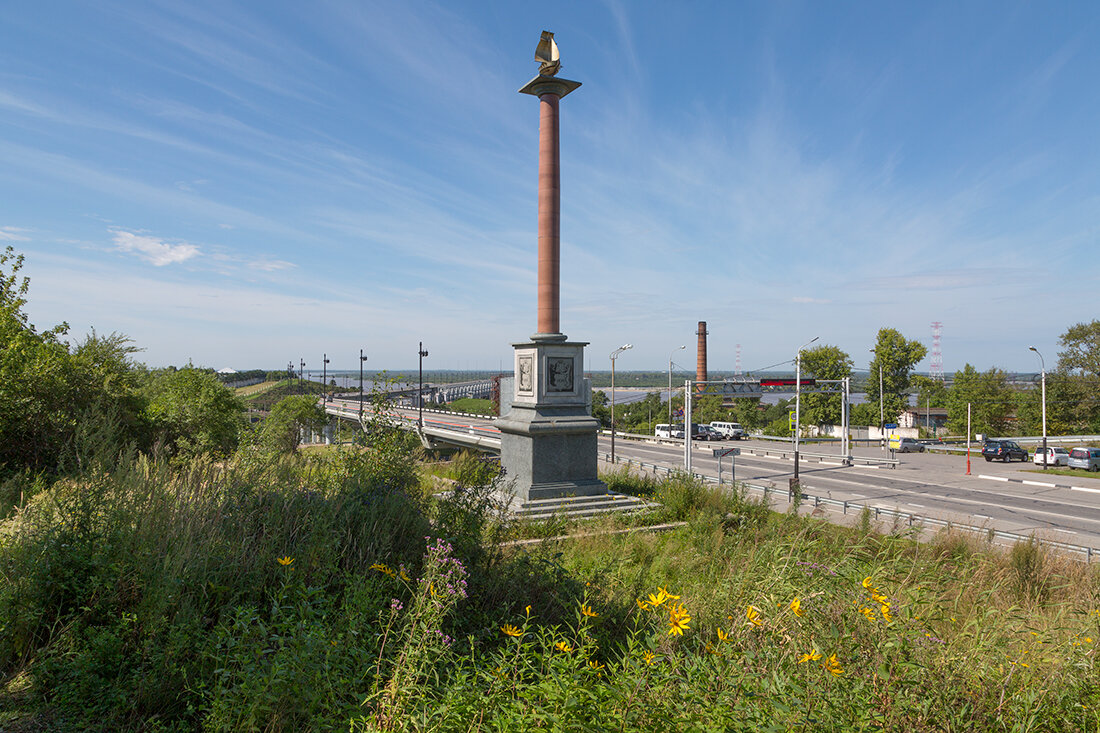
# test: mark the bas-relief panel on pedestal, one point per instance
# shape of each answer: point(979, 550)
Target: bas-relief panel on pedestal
point(524, 373)
point(559, 373)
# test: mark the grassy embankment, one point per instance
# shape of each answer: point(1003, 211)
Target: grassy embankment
point(337, 592)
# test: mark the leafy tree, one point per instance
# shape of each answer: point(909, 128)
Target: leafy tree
point(991, 401)
point(35, 380)
point(601, 408)
point(282, 429)
point(895, 356)
point(930, 392)
point(1081, 348)
point(193, 413)
point(824, 362)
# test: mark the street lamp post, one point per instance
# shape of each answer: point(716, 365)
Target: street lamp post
point(798, 400)
point(301, 371)
point(614, 356)
point(324, 377)
point(1043, 364)
point(881, 413)
point(420, 389)
point(361, 360)
point(670, 385)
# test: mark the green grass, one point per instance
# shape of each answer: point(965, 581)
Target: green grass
point(339, 591)
point(471, 406)
point(1063, 471)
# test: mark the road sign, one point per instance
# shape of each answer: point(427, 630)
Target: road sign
point(721, 452)
point(890, 425)
point(790, 420)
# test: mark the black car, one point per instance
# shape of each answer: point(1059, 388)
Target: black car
point(1003, 450)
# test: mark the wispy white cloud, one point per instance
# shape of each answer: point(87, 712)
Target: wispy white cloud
point(13, 234)
point(155, 251)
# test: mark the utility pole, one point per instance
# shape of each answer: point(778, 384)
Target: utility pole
point(324, 378)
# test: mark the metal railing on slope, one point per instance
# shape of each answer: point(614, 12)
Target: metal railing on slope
point(1081, 552)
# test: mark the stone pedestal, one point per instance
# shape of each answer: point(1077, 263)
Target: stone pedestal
point(548, 440)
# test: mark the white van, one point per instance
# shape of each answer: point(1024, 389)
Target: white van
point(664, 430)
point(729, 429)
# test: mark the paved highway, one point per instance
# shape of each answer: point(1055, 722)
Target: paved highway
point(1014, 497)
point(1055, 507)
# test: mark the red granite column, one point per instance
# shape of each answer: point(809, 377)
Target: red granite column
point(549, 216)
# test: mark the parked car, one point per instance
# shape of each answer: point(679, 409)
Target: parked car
point(1086, 458)
point(1056, 456)
point(664, 430)
point(704, 432)
point(729, 429)
point(1003, 450)
point(910, 445)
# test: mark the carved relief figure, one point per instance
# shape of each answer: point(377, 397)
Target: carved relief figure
point(525, 368)
point(561, 374)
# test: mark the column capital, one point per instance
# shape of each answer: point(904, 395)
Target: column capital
point(549, 84)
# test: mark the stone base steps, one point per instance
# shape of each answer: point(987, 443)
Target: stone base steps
point(576, 507)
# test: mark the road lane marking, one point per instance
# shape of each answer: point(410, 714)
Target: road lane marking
point(1039, 483)
point(993, 478)
point(1082, 488)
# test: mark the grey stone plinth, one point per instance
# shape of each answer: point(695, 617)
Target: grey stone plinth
point(547, 438)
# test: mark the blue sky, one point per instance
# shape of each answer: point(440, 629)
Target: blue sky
point(246, 184)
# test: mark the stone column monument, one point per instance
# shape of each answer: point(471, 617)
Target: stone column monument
point(548, 439)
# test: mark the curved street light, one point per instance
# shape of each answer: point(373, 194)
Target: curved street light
point(361, 360)
point(881, 414)
point(614, 356)
point(798, 400)
point(670, 385)
point(1043, 365)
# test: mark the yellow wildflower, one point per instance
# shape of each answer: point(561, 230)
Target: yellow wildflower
point(404, 575)
point(384, 569)
point(648, 656)
point(867, 582)
point(595, 665)
point(678, 620)
point(1088, 639)
point(753, 616)
point(869, 613)
point(833, 666)
point(511, 630)
point(666, 594)
point(563, 647)
point(527, 611)
point(642, 604)
point(285, 561)
point(722, 635)
point(809, 657)
point(796, 607)
point(886, 612)
point(660, 598)
point(587, 611)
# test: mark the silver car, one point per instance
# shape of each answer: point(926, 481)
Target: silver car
point(1056, 456)
point(1086, 458)
point(910, 445)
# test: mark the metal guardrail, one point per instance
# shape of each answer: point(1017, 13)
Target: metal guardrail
point(1082, 552)
point(781, 453)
